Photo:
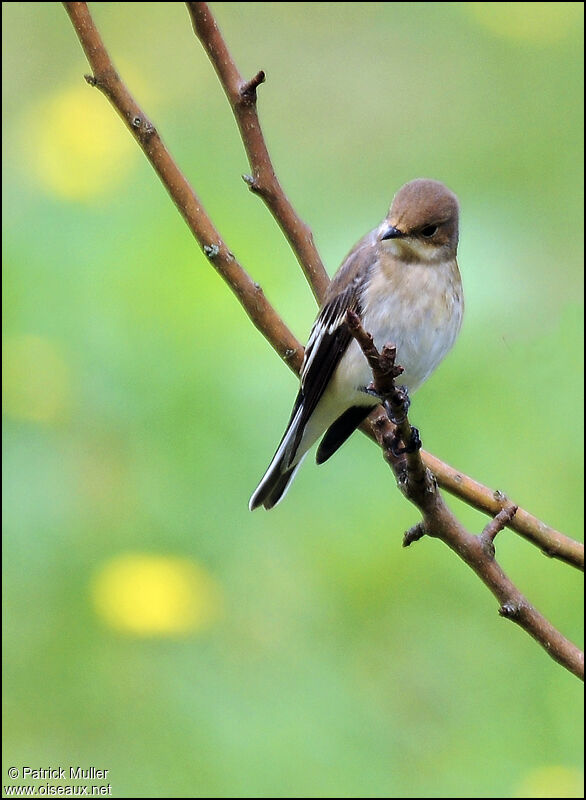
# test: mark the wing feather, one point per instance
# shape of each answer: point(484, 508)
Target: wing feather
point(328, 341)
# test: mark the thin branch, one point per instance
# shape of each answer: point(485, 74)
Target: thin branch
point(248, 292)
point(498, 523)
point(420, 487)
point(242, 98)
point(549, 540)
point(241, 95)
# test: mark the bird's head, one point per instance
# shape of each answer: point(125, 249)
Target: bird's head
point(422, 223)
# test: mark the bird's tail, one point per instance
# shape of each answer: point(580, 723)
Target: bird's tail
point(283, 467)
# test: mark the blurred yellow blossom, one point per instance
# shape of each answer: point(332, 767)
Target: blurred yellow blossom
point(153, 595)
point(552, 781)
point(79, 147)
point(532, 22)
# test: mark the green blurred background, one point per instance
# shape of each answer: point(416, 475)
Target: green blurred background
point(153, 626)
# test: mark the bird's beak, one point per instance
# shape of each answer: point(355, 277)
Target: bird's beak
point(389, 232)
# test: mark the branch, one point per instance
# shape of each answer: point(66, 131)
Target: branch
point(420, 487)
point(549, 540)
point(248, 292)
point(263, 181)
point(242, 98)
point(498, 523)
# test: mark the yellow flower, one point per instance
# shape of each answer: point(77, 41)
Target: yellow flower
point(531, 22)
point(152, 595)
point(552, 781)
point(78, 147)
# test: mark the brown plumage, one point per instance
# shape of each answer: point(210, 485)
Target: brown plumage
point(402, 279)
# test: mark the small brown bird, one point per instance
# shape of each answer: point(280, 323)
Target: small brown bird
point(402, 280)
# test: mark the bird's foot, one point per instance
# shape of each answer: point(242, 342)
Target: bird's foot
point(412, 446)
point(371, 392)
point(397, 404)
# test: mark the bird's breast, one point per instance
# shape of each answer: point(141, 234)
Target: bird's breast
point(418, 308)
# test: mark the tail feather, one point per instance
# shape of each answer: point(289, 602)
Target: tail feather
point(282, 468)
point(273, 488)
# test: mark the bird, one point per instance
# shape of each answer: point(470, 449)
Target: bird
point(402, 280)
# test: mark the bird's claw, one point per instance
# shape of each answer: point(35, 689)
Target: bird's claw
point(412, 446)
point(397, 405)
point(371, 391)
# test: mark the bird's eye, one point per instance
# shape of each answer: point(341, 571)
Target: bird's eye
point(428, 231)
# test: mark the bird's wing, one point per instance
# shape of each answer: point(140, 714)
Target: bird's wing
point(340, 430)
point(328, 341)
point(330, 336)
